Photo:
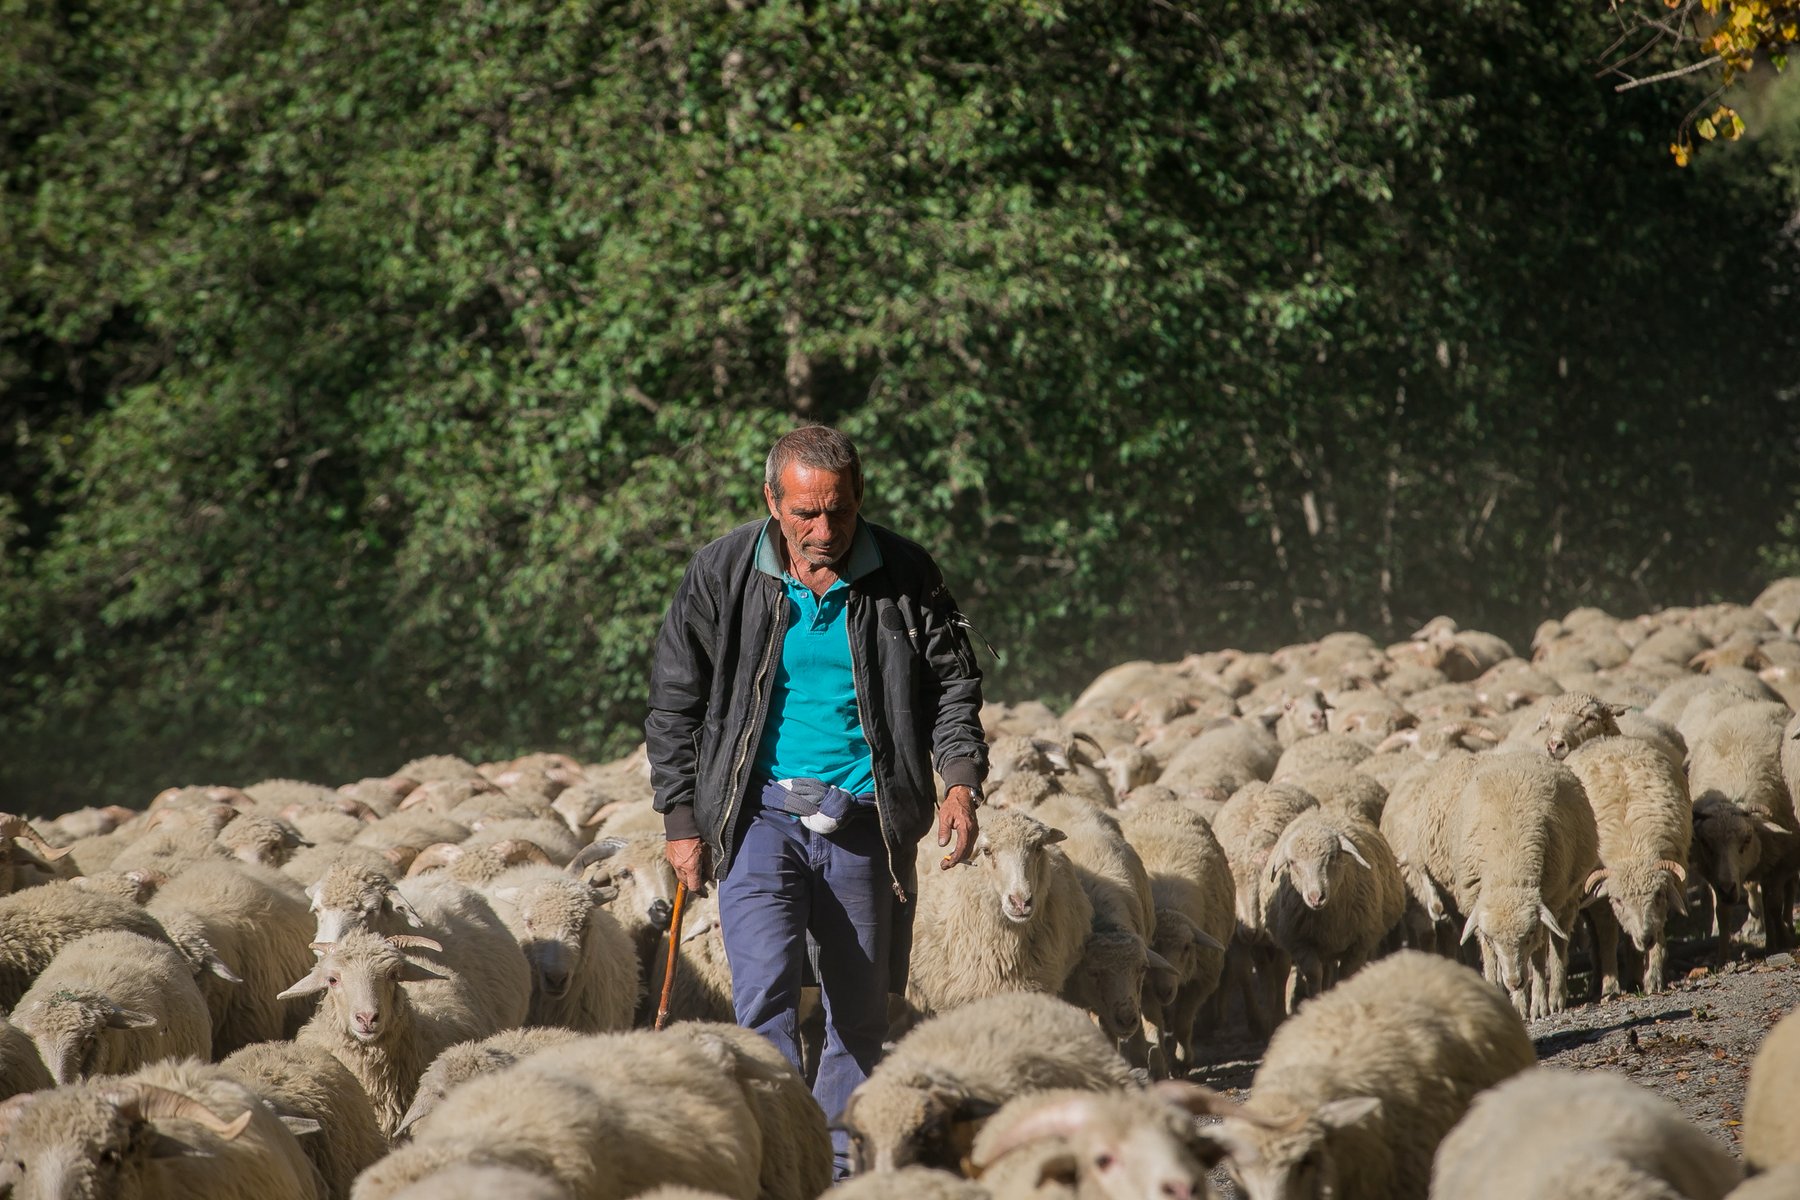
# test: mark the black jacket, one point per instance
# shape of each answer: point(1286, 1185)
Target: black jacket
point(917, 684)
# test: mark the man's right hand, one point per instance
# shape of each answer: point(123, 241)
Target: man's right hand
point(688, 857)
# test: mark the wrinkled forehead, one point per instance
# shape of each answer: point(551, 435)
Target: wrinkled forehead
point(808, 487)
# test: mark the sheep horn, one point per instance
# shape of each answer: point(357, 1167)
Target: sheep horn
point(1398, 739)
point(408, 941)
point(438, 854)
point(356, 808)
point(1084, 736)
point(606, 810)
point(1594, 880)
point(400, 856)
point(1674, 868)
point(1060, 1120)
point(146, 1102)
point(18, 827)
point(593, 853)
point(514, 851)
point(1549, 919)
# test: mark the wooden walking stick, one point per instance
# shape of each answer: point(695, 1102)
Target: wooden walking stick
point(668, 988)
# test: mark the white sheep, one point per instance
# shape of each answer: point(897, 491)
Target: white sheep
point(303, 1083)
point(1771, 1118)
point(1737, 758)
point(489, 1181)
point(702, 990)
point(1013, 918)
point(1356, 1090)
point(476, 940)
point(1347, 789)
point(639, 868)
point(926, 1100)
point(584, 968)
point(1248, 826)
point(112, 1002)
point(39, 921)
point(1525, 845)
point(608, 1117)
point(21, 1067)
point(255, 921)
point(1321, 752)
point(1096, 1146)
point(1645, 823)
point(1228, 757)
point(1334, 891)
point(1597, 1136)
point(386, 1016)
point(1192, 887)
point(469, 1060)
point(172, 1131)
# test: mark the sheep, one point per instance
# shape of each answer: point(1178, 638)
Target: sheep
point(386, 1016)
point(438, 766)
point(1596, 1135)
point(1659, 733)
point(171, 1131)
point(1098, 1145)
point(702, 990)
point(1247, 828)
point(415, 828)
point(1230, 756)
point(1356, 1090)
point(1525, 843)
point(796, 1144)
point(255, 921)
point(1771, 1119)
point(1013, 918)
point(1672, 644)
point(1737, 757)
point(264, 841)
point(38, 922)
point(1368, 716)
point(19, 867)
point(474, 1181)
point(1645, 824)
point(1343, 788)
point(478, 865)
point(305, 1083)
point(908, 1183)
point(1109, 980)
point(1565, 723)
point(1014, 757)
point(1707, 705)
point(925, 1101)
point(1303, 716)
point(111, 1002)
point(1335, 892)
point(1320, 752)
point(550, 836)
point(608, 1117)
point(1783, 1183)
point(476, 940)
point(1192, 887)
point(639, 868)
point(584, 969)
point(1418, 823)
point(469, 1060)
point(21, 1067)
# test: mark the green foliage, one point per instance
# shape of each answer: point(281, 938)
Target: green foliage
point(372, 372)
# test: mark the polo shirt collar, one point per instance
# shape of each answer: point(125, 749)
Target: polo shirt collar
point(865, 555)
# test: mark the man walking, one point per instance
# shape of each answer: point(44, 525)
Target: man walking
point(810, 672)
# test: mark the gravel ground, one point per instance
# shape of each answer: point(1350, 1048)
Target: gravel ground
point(1693, 1043)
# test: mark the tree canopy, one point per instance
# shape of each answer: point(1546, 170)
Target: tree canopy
point(369, 373)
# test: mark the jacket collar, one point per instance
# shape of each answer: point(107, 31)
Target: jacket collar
point(865, 555)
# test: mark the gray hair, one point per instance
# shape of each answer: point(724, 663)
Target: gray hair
point(817, 446)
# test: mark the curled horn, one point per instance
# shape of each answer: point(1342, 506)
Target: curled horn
point(1480, 733)
point(1060, 1119)
point(1083, 736)
point(147, 1102)
point(594, 852)
point(400, 856)
point(352, 807)
point(1595, 879)
point(18, 827)
point(1674, 868)
point(606, 810)
point(438, 854)
point(411, 941)
point(1398, 740)
point(236, 797)
point(514, 851)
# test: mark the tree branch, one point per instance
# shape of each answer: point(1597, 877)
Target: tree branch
point(1675, 74)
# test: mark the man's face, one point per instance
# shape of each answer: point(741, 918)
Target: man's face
point(817, 513)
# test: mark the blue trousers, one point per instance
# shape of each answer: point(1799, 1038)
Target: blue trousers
point(785, 882)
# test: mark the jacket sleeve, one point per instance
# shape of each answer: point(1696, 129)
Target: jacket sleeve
point(680, 683)
point(958, 746)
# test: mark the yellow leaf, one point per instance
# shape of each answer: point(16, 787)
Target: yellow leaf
point(1704, 127)
point(1737, 127)
point(1790, 32)
point(1681, 153)
point(1743, 16)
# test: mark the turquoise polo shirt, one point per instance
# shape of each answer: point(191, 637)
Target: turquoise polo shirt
point(814, 730)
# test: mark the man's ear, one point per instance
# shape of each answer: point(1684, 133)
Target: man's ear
point(769, 499)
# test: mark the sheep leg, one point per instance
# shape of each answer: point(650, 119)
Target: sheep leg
point(1556, 974)
point(1606, 949)
point(1656, 964)
point(1756, 928)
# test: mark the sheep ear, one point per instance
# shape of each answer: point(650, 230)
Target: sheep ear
point(413, 972)
point(301, 1126)
point(1618, 710)
point(1549, 919)
point(1207, 940)
point(313, 981)
point(1677, 895)
point(1341, 1113)
point(1053, 835)
point(1543, 723)
point(1349, 847)
point(507, 895)
point(1055, 755)
point(400, 908)
point(126, 1018)
point(222, 969)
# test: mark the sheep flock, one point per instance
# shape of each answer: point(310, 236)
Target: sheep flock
point(1384, 861)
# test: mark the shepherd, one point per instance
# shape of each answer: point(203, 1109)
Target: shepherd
point(811, 672)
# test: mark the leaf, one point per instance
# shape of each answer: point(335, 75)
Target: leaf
point(1683, 154)
point(1737, 127)
point(1704, 127)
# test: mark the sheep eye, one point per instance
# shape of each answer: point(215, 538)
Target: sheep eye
point(332, 980)
point(622, 873)
point(1103, 1161)
point(108, 1157)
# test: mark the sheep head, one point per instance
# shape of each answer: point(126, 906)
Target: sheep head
point(1313, 853)
point(70, 1028)
point(362, 974)
point(1641, 893)
point(1281, 1157)
point(550, 914)
point(1012, 850)
point(639, 869)
point(1109, 980)
point(350, 898)
point(1573, 719)
point(1726, 847)
point(918, 1118)
point(1513, 923)
point(94, 1142)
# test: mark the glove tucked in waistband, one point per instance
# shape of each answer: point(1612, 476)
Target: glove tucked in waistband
point(820, 806)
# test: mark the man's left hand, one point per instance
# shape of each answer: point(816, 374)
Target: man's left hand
point(956, 817)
